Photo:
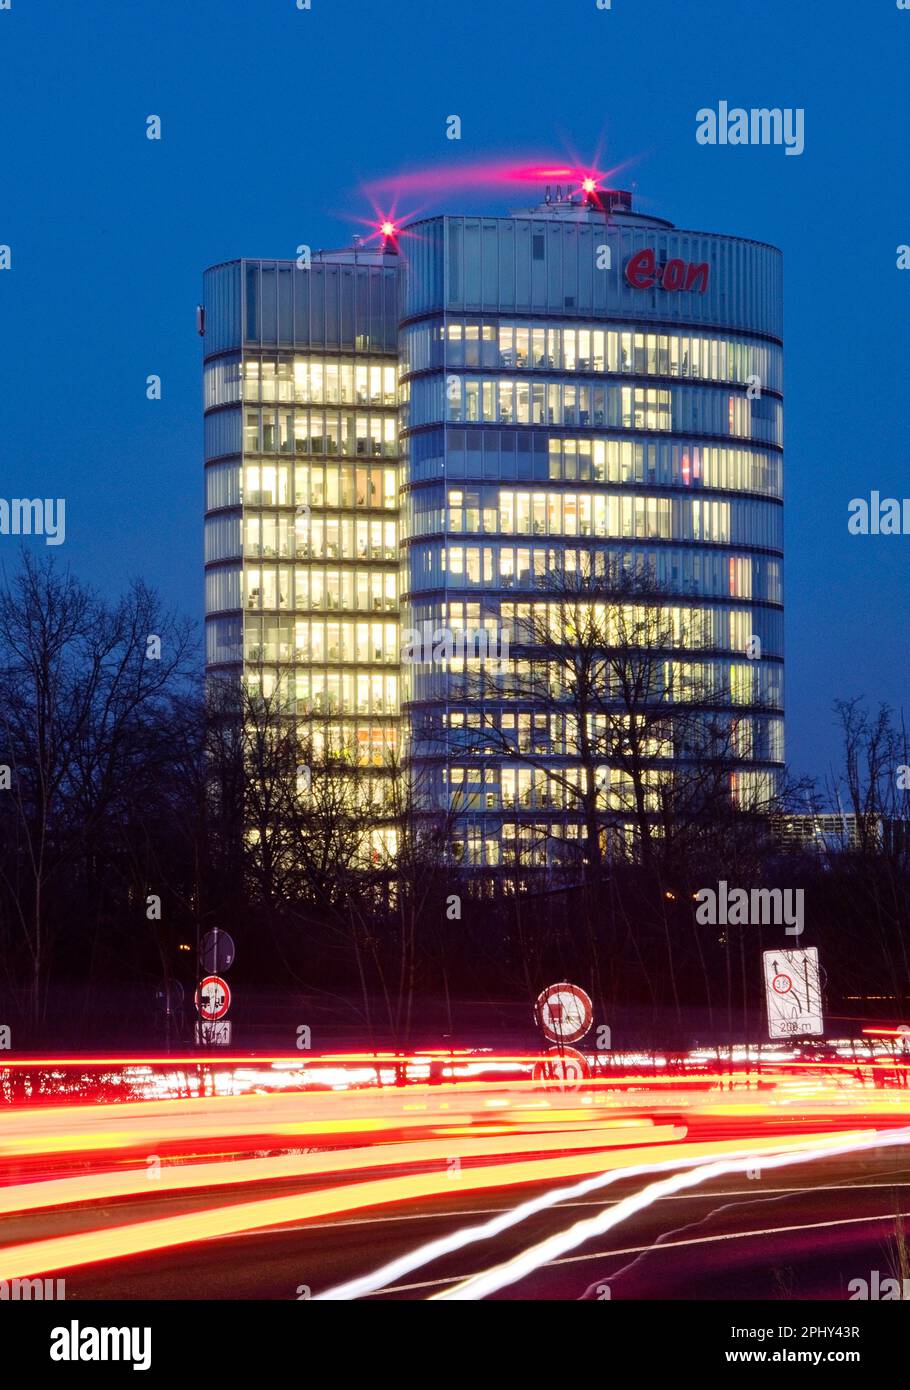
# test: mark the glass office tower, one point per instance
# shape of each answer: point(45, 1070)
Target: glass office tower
point(301, 478)
point(582, 387)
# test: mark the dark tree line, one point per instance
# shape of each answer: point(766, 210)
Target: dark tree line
point(139, 809)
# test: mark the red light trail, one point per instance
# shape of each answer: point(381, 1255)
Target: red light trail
point(490, 174)
point(377, 1145)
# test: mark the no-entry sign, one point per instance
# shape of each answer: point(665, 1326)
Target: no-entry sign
point(564, 1012)
point(213, 998)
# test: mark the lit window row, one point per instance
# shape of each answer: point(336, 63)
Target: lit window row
point(300, 588)
point(301, 484)
point(720, 575)
point(496, 511)
point(664, 464)
point(570, 348)
point(531, 787)
point(319, 694)
point(316, 641)
point(284, 537)
point(528, 733)
point(341, 433)
point(347, 486)
point(509, 732)
point(659, 625)
point(561, 513)
point(351, 590)
point(497, 401)
point(686, 409)
point(273, 639)
point(581, 514)
point(527, 788)
point(525, 454)
point(306, 380)
point(344, 538)
point(720, 679)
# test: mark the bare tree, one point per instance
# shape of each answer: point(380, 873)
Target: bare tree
point(83, 691)
point(625, 722)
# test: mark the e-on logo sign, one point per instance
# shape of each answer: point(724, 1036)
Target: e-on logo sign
point(643, 272)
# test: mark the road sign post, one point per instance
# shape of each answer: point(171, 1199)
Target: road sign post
point(793, 993)
point(564, 1012)
point(213, 999)
point(215, 1034)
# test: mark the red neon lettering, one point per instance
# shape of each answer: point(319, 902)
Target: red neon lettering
point(643, 272)
point(694, 273)
point(640, 270)
point(674, 276)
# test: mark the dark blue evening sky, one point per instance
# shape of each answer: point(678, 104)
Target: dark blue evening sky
point(274, 118)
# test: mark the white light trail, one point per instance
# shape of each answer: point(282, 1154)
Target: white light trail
point(491, 1280)
point(445, 1245)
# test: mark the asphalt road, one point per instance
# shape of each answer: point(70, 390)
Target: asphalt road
point(804, 1232)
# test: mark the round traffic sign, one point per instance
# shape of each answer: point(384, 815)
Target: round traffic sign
point(213, 998)
point(782, 984)
point(217, 951)
point(564, 1012)
point(563, 1065)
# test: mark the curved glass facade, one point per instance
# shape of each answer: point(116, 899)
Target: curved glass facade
point(560, 416)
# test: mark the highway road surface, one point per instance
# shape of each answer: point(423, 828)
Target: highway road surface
point(480, 1183)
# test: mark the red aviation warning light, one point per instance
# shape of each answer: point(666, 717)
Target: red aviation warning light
point(384, 227)
point(389, 233)
point(591, 191)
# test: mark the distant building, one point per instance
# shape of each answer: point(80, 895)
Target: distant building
point(838, 832)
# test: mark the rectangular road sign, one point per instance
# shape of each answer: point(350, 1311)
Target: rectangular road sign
point(793, 993)
point(215, 1034)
